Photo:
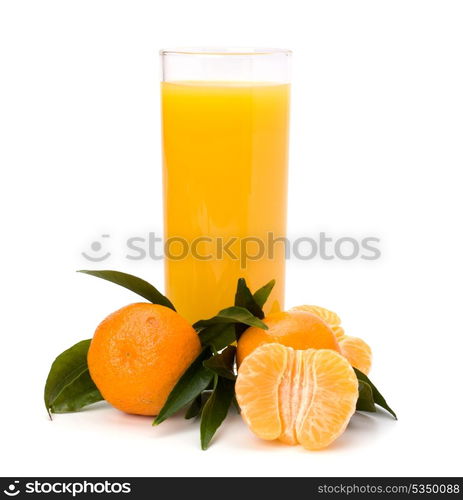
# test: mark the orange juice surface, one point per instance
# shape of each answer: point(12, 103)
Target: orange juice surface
point(225, 181)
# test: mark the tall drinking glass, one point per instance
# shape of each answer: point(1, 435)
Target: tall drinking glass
point(225, 147)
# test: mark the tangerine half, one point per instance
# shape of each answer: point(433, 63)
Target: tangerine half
point(329, 317)
point(295, 396)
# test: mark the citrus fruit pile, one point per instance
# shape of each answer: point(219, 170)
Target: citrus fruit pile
point(294, 376)
point(295, 379)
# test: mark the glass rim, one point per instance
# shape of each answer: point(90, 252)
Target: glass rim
point(224, 51)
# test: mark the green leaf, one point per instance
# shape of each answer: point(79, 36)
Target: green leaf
point(82, 392)
point(232, 315)
point(195, 408)
point(222, 364)
point(137, 285)
point(365, 401)
point(216, 408)
point(261, 295)
point(191, 384)
point(218, 336)
point(224, 328)
point(377, 396)
point(69, 387)
point(197, 405)
point(244, 298)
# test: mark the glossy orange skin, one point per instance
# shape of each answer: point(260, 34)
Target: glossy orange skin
point(137, 355)
point(297, 329)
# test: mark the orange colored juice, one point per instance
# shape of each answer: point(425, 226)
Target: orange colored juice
point(225, 182)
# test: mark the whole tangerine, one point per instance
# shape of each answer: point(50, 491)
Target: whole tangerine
point(137, 355)
point(297, 329)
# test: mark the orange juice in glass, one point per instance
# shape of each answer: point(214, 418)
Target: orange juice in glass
point(225, 148)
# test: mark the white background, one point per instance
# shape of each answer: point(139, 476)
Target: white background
point(376, 149)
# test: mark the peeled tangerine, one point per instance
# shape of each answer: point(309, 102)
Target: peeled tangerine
point(356, 350)
point(305, 397)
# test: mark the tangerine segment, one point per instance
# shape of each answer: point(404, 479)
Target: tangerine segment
point(339, 332)
point(296, 329)
point(357, 352)
point(295, 396)
point(334, 403)
point(257, 389)
point(326, 315)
